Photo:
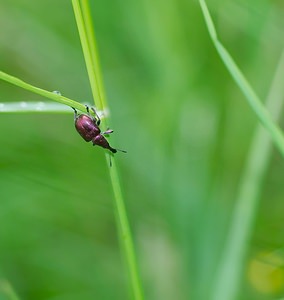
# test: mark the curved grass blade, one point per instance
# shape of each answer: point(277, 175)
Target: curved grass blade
point(50, 95)
point(253, 100)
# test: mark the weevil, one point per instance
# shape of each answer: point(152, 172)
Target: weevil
point(89, 129)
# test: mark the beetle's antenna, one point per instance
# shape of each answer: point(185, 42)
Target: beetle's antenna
point(121, 150)
point(114, 150)
point(87, 109)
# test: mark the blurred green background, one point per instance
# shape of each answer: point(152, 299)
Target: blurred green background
point(187, 129)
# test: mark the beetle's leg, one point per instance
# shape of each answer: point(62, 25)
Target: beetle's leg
point(75, 113)
point(99, 120)
point(87, 109)
point(108, 131)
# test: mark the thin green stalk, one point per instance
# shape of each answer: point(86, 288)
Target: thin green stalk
point(51, 95)
point(86, 32)
point(91, 67)
point(253, 100)
point(86, 13)
point(230, 271)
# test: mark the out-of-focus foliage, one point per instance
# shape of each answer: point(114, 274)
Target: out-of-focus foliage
point(185, 125)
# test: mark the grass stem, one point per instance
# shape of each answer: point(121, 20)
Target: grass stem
point(86, 32)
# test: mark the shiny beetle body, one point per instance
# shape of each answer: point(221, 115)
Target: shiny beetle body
point(89, 129)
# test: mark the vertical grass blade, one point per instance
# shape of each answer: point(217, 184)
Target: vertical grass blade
point(86, 32)
point(253, 100)
point(230, 270)
point(91, 68)
point(86, 13)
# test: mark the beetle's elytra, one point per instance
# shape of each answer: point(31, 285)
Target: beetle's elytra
point(89, 129)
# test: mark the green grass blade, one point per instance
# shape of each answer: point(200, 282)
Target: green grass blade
point(125, 235)
point(84, 24)
point(50, 95)
point(85, 43)
point(255, 103)
point(232, 262)
point(86, 13)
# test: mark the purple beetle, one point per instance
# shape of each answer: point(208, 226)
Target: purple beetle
point(89, 129)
